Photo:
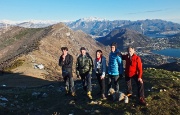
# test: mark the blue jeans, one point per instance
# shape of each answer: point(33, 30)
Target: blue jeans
point(86, 80)
point(115, 79)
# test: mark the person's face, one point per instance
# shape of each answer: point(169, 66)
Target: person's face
point(98, 54)
point(64, 52)
point(83, 52)
point(113, 48)
point(131, 51)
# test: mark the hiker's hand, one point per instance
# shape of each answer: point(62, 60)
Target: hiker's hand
point(102, 77)
point(63, 56)
point(140, 80)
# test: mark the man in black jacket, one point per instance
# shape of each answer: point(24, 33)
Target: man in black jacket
point(66, 61)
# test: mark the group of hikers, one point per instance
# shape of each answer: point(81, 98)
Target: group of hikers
point(85, 65)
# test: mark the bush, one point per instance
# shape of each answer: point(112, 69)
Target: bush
point(14, 65)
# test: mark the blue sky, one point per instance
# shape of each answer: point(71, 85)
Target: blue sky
point(61, 10)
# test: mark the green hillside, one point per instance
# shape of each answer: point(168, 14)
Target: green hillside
point(161, 90)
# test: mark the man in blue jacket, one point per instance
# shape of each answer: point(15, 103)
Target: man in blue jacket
point(115, 67)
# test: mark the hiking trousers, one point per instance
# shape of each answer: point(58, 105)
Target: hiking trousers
point(140, 86)
point(86, 81)
point(113, 79)
point(101, 83)
point(69, 82)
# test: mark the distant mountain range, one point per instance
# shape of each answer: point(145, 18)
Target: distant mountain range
point(27, 24)
point(101, 27)
point(146, 27)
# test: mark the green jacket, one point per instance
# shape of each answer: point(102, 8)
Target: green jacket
point(84, 64)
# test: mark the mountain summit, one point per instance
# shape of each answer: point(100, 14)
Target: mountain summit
point(125, 37)
point(89, 19)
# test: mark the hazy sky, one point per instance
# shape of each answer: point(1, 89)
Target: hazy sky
point(61, 10)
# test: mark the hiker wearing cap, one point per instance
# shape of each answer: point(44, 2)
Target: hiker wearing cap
point(66, 62)
point(133, 70)
point(84, 66)
point(115, 67)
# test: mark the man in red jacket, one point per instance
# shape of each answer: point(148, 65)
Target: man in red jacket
point(133, 70)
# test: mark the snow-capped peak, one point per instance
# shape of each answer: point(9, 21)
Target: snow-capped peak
point(90, 19)
point(41, 21)
point(29, 23)
point(9, 22)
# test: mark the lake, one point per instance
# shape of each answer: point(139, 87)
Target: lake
point(168, 52)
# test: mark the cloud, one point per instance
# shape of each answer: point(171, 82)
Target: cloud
point(149, 11)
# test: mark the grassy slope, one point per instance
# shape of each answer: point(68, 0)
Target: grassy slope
point(21, 101)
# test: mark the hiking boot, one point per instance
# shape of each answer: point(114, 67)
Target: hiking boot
point(104, 97)
point(129, 94)
point(67, 91)
point(89, 95)
point(73, 94)
point(142, 101)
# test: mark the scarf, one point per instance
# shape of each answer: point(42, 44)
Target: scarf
point(97, 59)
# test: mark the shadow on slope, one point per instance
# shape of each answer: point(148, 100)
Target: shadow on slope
point(19, 80)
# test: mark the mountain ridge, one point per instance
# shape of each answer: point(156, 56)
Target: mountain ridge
point(46, 48)
point(101, 27)
point(125, 37)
